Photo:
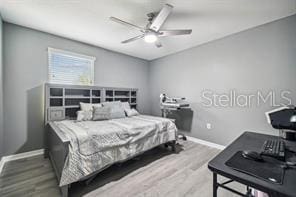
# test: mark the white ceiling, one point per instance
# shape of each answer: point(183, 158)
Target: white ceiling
point(88, 20)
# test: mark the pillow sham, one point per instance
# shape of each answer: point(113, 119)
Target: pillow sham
point(101, 113)
point(84, 115)
point(132, 112)
point(116, 109)
point(89, 106)
point(126, 105)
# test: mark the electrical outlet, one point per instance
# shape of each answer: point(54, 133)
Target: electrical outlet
point(209, 126)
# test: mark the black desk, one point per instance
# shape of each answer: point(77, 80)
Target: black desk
point(252, 141)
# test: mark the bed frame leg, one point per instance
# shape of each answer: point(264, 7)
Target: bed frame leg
point(174, 143)
point(46, 153)
point(65, 190)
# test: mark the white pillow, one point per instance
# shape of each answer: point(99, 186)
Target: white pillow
point(131, 112)
point(101, 113)
point(84, 115)
point(117, 110)
point(111, 103)
point(89, 106)
point(126, 105)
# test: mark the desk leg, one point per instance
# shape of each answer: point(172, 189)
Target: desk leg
point(215, 185)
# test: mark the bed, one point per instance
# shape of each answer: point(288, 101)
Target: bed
point(79, 150)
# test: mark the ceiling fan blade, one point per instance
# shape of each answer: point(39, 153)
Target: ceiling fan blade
point(174, 32)
point(161, 17)
point(133, 39)
point(158, 44)
point(117, 20)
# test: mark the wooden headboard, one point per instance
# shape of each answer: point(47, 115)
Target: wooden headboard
point(62, 101)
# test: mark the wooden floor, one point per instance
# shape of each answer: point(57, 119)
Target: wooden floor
point(156, 173)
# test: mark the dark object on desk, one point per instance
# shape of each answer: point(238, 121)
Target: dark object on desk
point(267, 170)
point(252, 141)
point(284, 119)
point(252, 155)
point(274, 148)
point(288, 135)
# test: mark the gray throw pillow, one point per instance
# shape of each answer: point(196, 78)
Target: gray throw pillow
point(126, 105)
point(89, 106)
point(131, 112)
point(117, 110)
point(84, 115)
point(101, 113)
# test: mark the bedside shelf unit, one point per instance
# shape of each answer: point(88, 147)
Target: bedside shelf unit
point(62, 101)
point(122, 94)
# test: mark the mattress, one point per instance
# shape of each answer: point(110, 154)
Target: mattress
point(94, 145)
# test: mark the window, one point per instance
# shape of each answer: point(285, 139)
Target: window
point(70, 68)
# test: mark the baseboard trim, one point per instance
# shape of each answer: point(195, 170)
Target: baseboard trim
point(19, 156)
point(204, 142)
point(2, 162)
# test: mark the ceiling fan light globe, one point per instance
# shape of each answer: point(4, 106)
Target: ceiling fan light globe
point(150, 38)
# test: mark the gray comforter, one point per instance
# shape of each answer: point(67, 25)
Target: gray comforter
point(94, 145)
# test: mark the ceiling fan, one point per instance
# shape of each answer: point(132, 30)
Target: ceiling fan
point(152, 31)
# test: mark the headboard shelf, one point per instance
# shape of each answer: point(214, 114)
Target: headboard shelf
point(96, 93)
point(77, 97)
point(134, 93)
point(96, 100)
point(121, 96)
point(56, 92)
point(62, 101)
point(72, 106)
point(56, 102)
point(133, 105)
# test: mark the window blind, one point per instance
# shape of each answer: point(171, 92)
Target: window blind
point(70, 68)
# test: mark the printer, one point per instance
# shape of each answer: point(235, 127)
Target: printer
point(172, 103)
point(284, 119)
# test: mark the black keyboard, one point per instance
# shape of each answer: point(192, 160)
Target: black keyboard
point(274, 148)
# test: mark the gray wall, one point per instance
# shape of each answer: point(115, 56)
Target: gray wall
point(1, 89)
point(263, 58)
point(25, 61)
